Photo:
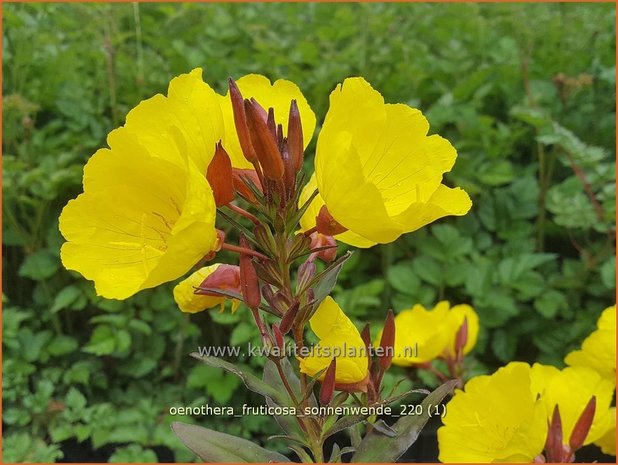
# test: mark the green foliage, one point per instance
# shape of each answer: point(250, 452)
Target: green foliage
point(525, 92)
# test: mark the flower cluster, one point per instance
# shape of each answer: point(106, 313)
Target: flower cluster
point(519, 412)
point(184, 161)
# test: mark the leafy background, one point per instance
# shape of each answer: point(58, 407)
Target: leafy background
point(526, 93)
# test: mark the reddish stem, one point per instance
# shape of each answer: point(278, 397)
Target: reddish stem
point(236, 248)
point(243, 212)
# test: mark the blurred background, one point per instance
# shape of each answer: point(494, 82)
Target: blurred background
point(525, 92)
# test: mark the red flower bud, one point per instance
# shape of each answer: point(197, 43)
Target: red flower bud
point(328, 383)
point(387, 341)
point(264, 143)
point(288, 318)
point(319, 241)
point(582, 427)
point(461, 338)
point(225, 277)
point(249, 283)
point(240, 178)
point(295, 137)
point(219, 176)
point(240, 121)
point(279, 338)
point(328, 225)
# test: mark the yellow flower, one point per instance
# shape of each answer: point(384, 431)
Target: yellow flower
point(607, 442)
point(190, 113)
point(277, 96)
point(377, 171)
point(223, 276)
point(494, 419)
point(599, 348)
point(141, 221)
point(571, 389)
point(422, 335)
point(338, 338)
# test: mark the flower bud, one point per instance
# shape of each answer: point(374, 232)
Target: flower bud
point(328, 225)
point(219, 176)
point(328, 383)
point(288, 318)
point(225, 277)
point(240, 121)
point(279, 341)
point(240, 179)
point(582, 427)
point(249, 283)
point(264, 143)
point(387, 342)
point(295, 137)
point(306, 272)
point(461, 339)
point(327, 244)
point(553, 444)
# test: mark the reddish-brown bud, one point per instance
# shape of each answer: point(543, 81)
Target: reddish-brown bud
point(249, 283)
point(306, 272)
point(328, 225)
point(240, 179)
point(264, 143)
point(461, 339)
point(225, 277)
point(553, 444)
point(366, 337)
point(328, 383)
point(279, 341)
point(219, 176)
point(240, 121)
point(387, 341)
point(328, 244)
point(295, 137)
point(288, 318)
point(271, 125)
point(583, 424)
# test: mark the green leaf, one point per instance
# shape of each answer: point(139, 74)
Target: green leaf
point(62, 345)
point(102, 341)
point(403, 278)
point(133, 453)
point(40, 265)
point(324, 282)
point(212, 446)
point(376, 447)
point(65, 297)
point(549, 303)
point(219, 384)
point(252, 382)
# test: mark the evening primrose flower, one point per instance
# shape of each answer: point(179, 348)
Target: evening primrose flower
point(496, 418)
point(142, 220)
point(377, 172)
point(571, 389)
point(278, 96)
point(190, 113)
point(218, 276)
point(607, 442)
point(338, 338)
point(598, 350)
point(432, 332)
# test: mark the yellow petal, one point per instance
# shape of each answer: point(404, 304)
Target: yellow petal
point(598, 350)
point(377, 171)
point(494, 419)
point(308, 219)
point(571, 389)
point(277, 96)
point(190, 111)
point(607, 442)
point(338, 338)
point(420, 335)
point(141, 221)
